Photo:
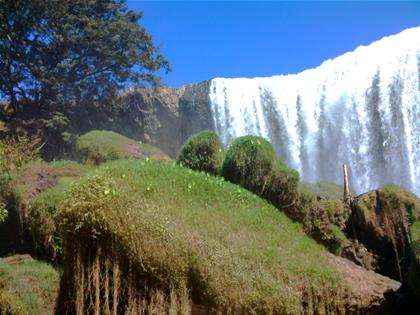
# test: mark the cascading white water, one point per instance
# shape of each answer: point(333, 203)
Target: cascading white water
point(362, 108)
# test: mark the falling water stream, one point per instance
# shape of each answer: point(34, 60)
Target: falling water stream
point(362, 108)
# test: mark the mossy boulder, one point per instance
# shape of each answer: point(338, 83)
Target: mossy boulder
point(202, 152)
point(381, 220)
point(252, 163)
point(99, 146)
point(325, 217)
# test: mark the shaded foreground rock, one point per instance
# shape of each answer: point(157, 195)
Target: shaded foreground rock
point(368, 291)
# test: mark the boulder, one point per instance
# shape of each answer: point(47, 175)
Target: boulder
point(380, 220)
point(367, 291)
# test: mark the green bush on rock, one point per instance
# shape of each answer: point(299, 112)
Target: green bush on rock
point(252, 163)
point(202, 152)
point(98, 146)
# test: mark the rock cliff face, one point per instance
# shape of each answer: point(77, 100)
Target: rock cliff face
point(166, 117)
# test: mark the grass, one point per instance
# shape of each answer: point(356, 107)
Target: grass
point(28, 288)
point(98, 146)
point(185, 230)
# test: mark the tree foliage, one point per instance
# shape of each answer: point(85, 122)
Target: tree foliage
point(14, 153)
point(57, 53)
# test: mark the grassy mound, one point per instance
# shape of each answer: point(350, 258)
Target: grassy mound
point(252, 163)
point(202, 152)
point(28, 288)
point(99, 146)
point(134, 229)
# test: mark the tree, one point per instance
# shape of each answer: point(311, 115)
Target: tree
point(58, 53)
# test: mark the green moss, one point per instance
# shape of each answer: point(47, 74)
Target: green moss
point(202, 152)
point(28, 288)
point(324, 220)
point(414, 269)
point(382, 220)
point(400, 197)
point(252, 163)
point(232, 250)
point(99, 146)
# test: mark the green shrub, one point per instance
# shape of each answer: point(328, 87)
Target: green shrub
point(14, 153)
point(252, 163)
point(202, 152)
point(99, 146)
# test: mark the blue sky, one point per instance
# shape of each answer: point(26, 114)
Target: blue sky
point(207, 39)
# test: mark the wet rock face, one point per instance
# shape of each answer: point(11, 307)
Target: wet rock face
point(194, 110)
point(152, 116)
point(380, 220)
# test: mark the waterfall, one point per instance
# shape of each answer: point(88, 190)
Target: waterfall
point(362, 108)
